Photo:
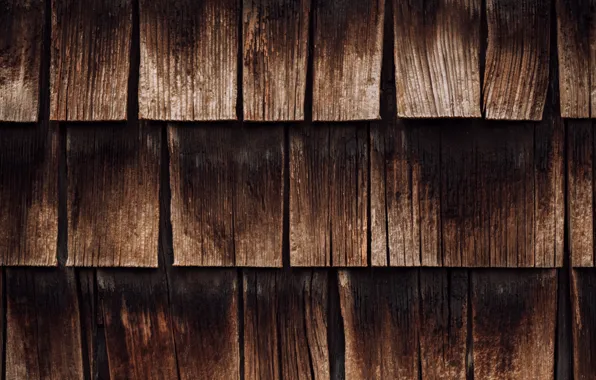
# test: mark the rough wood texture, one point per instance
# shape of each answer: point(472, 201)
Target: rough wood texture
point(329, 195)
point(90, 62)
point(285, 325)
point(437, 45)
point(514, 319)
point(43, 328)
point(21, 34)
point(583, 311)
point(227, 194)
point(275, 53)
point(189, 53)
point(517, 59)
point(348, 40)
point(113, 194)
point(380, 311)
point(28, 194)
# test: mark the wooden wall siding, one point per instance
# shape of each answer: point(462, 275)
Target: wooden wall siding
point(189, 59)
point(90, 59)
point(227, 187)
point(583, 312)
point(28, 194)
point(437, 51)
point(329, 195)
point(517, 59)
point(275, 53)
point(113, 194)
point(285, 325)
point(514, 319)
point(21, 34)
point(347, 55)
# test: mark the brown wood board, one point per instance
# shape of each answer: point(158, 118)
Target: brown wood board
point(583, 322)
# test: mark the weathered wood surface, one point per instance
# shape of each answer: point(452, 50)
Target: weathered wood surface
point(517, 59)
point(90, 60)
point(583, 323)
point(285, 324)
point(21, 35)
point(437, 44)
point(189, 59)
point(113, 194)
point(348, 39)
point(227, 194)
point(514, 319)
point(29, 194)
point(329, 195)
point(275, 54)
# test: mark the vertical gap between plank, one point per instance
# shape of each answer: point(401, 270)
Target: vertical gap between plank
point(335, 333)
point(87, 366)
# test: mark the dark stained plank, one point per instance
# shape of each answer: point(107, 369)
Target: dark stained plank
point(227, 194)
point(514, 319)
point(275, 53)
point(517, 59)
point(437, 45)
point(583, 323)
point(380, 311)
point(43, 331)
point(113, 194)
point(189, 54)
point(348, 39)
point(285, 324)
point(29, 194)
point(91, 42)
point(21, 35)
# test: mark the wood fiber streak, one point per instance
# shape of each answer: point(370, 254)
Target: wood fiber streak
point(285, 325)
point(21, 35)
point(90, 60)
point(514, 318)
point(437, 45)
point(29, 194)
point(443, 324)
point(43, 328)
point(583, 323)
point(113, 194)
point(517, 59)
point(189, 53)
point(275, 54)
point(90, 322)
point(348, 45)
point(380, 311)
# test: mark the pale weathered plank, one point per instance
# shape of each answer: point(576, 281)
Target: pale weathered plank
point(21, 34)
point(437, 45)
point(583, 322)
point(275, 53)
point(113, 194)
point(517, 59)
point(189, 54)
point(348, 45)
point(90, 61)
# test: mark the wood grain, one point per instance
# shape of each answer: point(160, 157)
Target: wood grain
point(514, 319)
point(583, 321)
point(29, 194)
point(275, 54)
point(189, 53)
point(113, 194)
point(90, 61)
point(21, 35)
point(348, 45)
point(437, 45)
point(517, 59)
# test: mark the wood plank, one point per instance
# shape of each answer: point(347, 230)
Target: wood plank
point(380, 311)
point(348, 45)
point(90, 61)
point(437, 45)
point(517, 59)
point(29, 194)
point(189, 59)
point(275, 53)
point(113, 194)
point(285, 324)
point(21, 35)
point(43, 331)
point(514, 319)
point(583, 318)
